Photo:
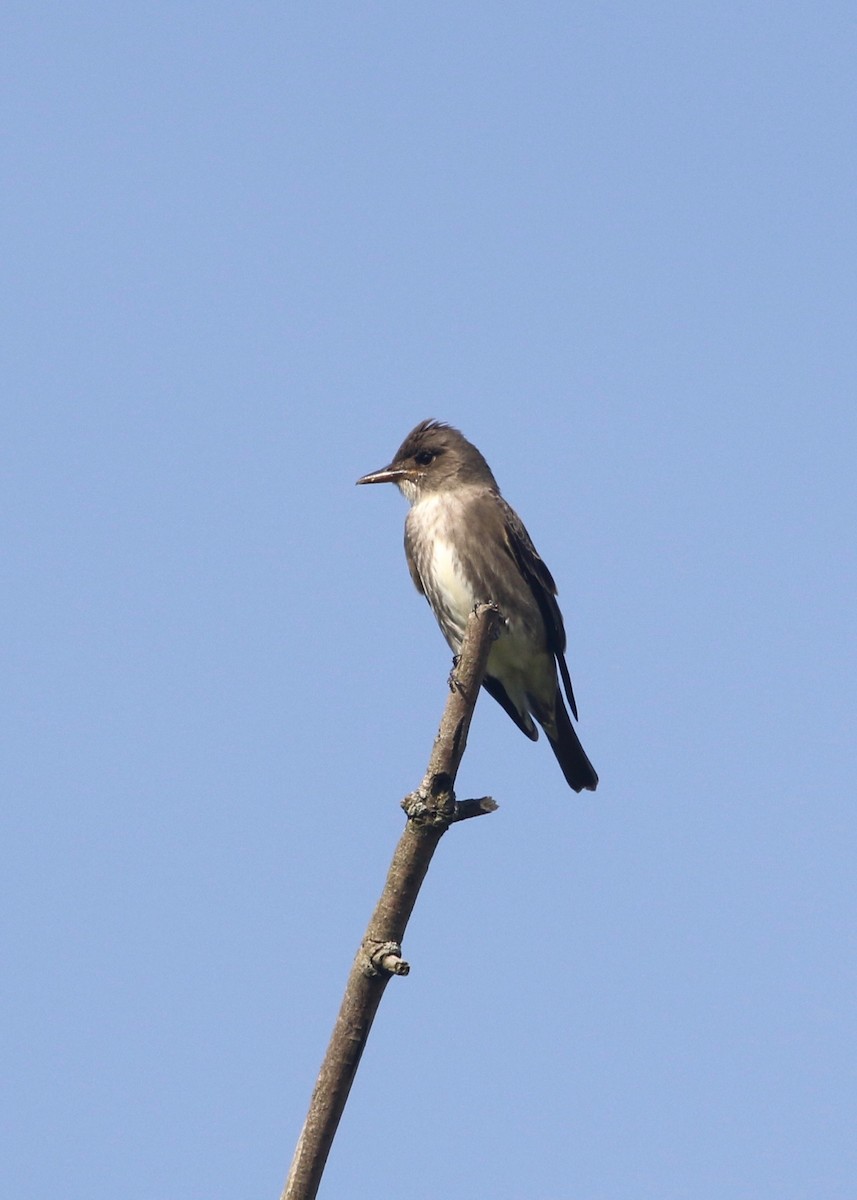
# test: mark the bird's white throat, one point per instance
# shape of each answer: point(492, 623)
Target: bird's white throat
point(408, 489)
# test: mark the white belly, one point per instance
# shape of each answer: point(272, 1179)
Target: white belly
point(450, 583)
point(431, 523)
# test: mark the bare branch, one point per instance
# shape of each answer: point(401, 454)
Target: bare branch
point(430, 811)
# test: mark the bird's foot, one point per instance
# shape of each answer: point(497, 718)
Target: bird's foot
point(452, 681)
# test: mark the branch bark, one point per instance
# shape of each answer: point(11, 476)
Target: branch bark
point(430, 811)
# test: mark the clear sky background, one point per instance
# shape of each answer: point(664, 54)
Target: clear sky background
point(246, 247)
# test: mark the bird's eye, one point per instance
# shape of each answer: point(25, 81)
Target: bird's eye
point(424, 457)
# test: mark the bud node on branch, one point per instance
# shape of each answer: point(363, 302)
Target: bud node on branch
point(382, 958)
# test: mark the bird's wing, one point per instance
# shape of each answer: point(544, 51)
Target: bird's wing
point(410, 555)
point(542, 586)
point(494, 687)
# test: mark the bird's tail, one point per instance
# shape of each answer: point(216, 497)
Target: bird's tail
point(578, 770)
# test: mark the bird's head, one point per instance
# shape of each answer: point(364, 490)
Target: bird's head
point(434, 457)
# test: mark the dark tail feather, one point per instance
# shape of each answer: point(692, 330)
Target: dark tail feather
point(576, 767)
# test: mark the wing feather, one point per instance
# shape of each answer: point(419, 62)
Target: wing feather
point(542, 586)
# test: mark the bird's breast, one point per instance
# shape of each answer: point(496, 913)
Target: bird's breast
point(449, 579)
point(434, 534)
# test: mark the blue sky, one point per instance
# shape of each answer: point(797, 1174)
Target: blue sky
point(246, 249)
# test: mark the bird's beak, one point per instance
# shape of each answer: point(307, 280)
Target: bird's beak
point(391, 474)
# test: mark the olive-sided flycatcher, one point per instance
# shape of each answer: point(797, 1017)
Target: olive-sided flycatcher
point(466, 546)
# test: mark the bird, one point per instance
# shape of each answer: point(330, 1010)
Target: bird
point(465, 545)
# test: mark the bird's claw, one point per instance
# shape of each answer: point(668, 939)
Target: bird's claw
point(452, 681)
